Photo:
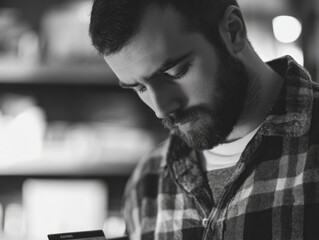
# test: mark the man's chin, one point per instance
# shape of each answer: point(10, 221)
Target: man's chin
point(202, 133)
point(200, 140)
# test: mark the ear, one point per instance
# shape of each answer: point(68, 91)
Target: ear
point(233, 30)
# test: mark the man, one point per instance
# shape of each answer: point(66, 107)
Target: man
point(242, 158)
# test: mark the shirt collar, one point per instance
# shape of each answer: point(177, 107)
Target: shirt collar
point(290, 113)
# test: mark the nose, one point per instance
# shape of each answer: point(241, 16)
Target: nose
point(164, 101)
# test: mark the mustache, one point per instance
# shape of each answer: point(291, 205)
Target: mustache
point(185, 115)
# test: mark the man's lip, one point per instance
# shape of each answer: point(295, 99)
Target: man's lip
point(183, 122)
point(190, 122)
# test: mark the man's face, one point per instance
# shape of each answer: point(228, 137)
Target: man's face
point(196, 89)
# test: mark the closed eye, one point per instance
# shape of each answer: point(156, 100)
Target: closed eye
point(127, 86)
point(178, 71)
point(139, 89)
point(136, 87)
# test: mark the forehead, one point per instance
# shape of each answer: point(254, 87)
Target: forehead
point(162, 34)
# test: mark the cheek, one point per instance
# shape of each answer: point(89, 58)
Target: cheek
point(200, 84)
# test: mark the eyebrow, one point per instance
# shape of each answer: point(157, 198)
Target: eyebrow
point(169, 63)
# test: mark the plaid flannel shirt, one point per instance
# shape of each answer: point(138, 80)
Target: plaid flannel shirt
point(272, 194)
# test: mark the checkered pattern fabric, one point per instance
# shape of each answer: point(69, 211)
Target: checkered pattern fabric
point(273, 192)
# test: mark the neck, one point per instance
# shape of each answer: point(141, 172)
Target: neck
point(264, 87)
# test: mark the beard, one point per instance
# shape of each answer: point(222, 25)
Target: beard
point(214, 122)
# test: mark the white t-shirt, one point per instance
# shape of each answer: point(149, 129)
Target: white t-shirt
point(227, 154)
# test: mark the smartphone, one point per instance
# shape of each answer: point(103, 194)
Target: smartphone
point(87, 235)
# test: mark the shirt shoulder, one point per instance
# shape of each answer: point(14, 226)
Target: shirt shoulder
point(146, 174)
point(151, 163)
point(315, 87)
point(142, 185)
point(314, 129)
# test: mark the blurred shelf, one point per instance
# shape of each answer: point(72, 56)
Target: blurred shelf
point(69, 169)
point(68, 74)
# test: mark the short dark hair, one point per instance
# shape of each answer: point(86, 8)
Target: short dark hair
point(114, 22)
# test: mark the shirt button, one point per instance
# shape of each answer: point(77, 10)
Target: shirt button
point(205, 222)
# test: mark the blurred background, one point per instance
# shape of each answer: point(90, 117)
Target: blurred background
point(69, 136)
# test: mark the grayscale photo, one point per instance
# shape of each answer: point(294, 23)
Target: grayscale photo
point(159, 120)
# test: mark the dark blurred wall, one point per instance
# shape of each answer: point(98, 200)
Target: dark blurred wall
point(308, 12)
